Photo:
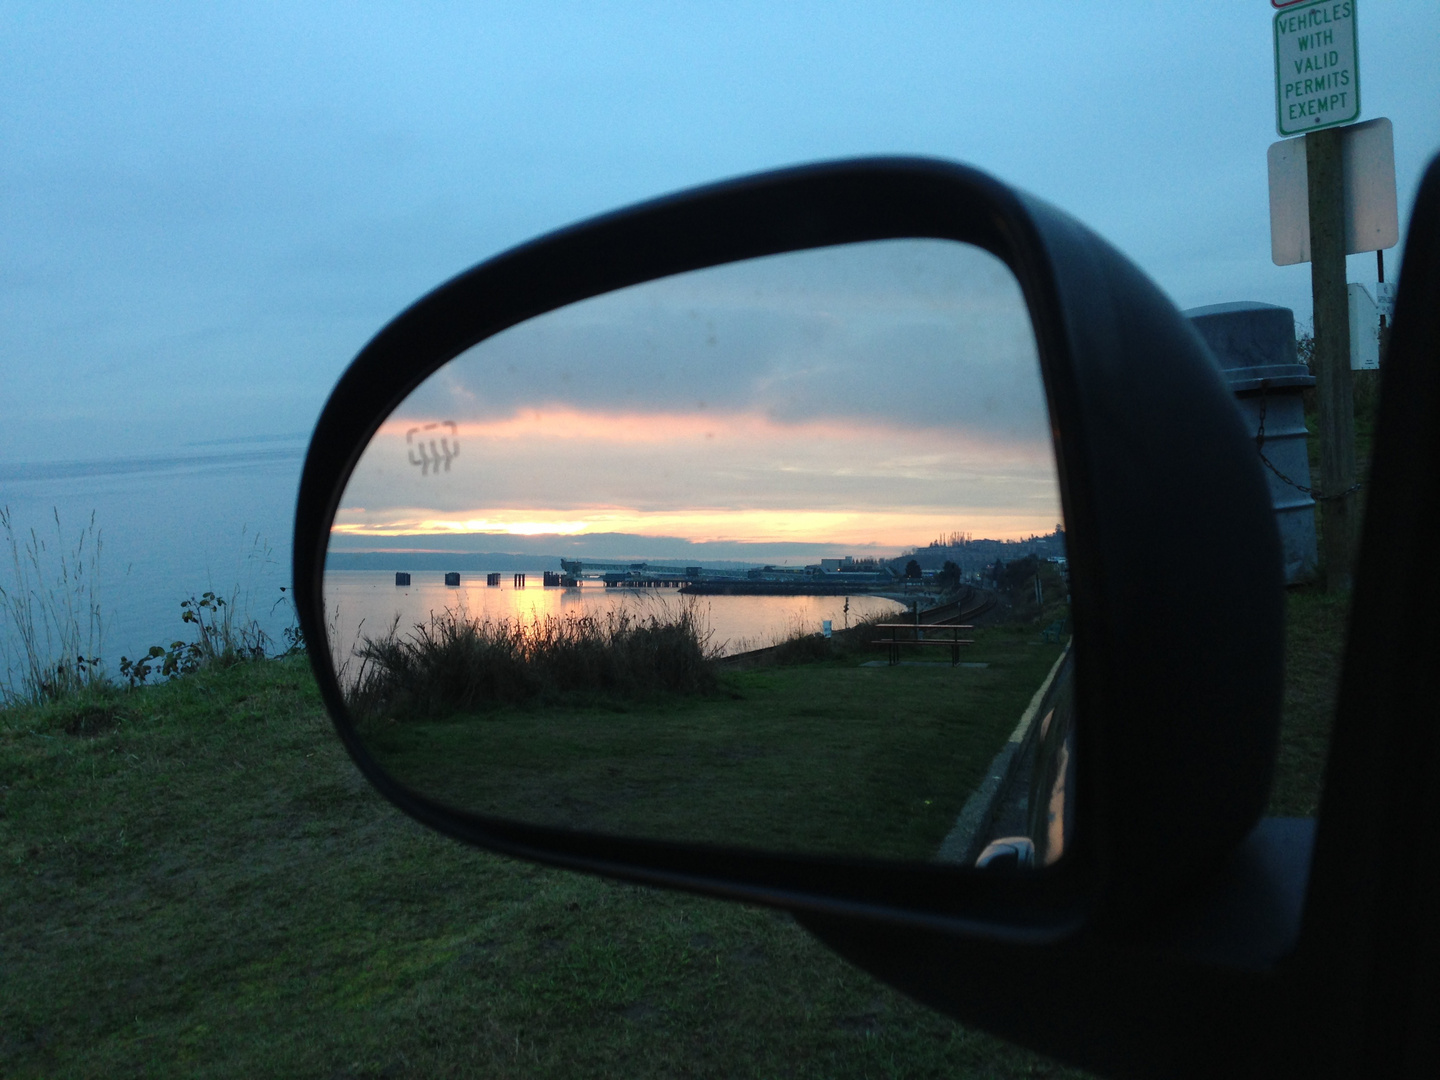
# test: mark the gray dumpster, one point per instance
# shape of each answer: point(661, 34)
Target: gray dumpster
point(1255, 344)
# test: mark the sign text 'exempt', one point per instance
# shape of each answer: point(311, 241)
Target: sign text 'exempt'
point(1317, 74)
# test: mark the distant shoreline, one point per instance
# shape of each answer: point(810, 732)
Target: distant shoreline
point(786, 588)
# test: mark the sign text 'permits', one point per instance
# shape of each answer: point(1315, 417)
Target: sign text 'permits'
point(1317, 66)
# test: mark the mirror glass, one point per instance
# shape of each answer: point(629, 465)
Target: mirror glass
point(651, 564)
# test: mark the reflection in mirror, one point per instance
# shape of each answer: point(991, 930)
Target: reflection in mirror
point(651, 564)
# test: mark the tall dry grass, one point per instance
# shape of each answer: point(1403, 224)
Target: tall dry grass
point(458, 664)
point(52, 630)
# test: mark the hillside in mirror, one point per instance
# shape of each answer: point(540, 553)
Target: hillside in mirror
point(762, 555)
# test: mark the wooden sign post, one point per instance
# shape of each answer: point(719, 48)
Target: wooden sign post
point(1332, 356)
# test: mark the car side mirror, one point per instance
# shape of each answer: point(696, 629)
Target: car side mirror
point(1176, 682)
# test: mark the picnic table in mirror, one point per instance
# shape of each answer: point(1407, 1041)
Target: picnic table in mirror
point(688, 560)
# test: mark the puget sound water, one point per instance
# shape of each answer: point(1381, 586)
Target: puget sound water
point(219, 519)
point(207, 518)
point(365, 603)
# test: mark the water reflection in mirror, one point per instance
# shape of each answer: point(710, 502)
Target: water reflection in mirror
point(651, 564)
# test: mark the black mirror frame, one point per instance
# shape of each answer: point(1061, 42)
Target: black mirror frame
point(1160, 487)
point(1315, 951)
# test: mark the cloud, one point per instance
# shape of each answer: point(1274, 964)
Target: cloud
point(916, 332)
point(873, 393)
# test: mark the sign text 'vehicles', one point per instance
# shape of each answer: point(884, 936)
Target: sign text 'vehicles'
point(1316, 71)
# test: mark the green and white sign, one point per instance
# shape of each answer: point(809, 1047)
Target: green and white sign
point(1317, 66)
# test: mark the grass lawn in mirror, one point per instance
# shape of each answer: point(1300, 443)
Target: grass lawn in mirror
point(845, 756)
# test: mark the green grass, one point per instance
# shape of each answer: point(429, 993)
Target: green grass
point(197, 882)
point(1314, 649)
point(832, 756)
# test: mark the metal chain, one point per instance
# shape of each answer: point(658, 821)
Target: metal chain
point(1260, 449)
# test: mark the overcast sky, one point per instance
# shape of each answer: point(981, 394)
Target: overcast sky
point(862, 398)
point(208, 209)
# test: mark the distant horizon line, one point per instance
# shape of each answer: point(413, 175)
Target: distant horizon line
point(691, 558)
point(21, 471)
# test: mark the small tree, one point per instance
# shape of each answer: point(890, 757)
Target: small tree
point(949, 576)
point(912, 569)
point(1305, 351)
point(1018, 572)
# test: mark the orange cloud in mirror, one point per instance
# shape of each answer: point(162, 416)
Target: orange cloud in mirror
point(703, 477)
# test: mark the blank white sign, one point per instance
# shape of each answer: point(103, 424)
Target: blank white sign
point(1372, 220)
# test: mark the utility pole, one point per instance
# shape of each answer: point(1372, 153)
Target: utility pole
point(1356, 162)
point(1332, 356)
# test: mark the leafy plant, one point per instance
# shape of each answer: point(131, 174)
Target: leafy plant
point(1305, 351)
point(182, 658)
point(219, 642)
point(294, 637)
point(294, 640)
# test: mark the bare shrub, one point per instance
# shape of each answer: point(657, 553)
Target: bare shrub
point(457, 664)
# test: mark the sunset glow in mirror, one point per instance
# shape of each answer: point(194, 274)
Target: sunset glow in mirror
point(855, 401)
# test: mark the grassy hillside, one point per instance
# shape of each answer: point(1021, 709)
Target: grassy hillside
point(198, 883)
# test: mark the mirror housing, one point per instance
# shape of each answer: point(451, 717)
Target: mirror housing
point(1177, 688)
point(1313, 951)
